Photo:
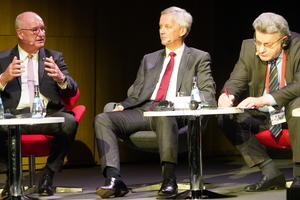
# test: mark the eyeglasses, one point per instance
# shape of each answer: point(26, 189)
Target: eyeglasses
point(267, 45)
point(35, 31)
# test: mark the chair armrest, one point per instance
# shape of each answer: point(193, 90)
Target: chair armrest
point(79, 111)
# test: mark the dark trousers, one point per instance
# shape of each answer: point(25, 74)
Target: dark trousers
point(111, 125)
point(240, 129)
point(64, 135)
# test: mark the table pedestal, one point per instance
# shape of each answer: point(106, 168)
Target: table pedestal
point(15, 165)
point(197, 189)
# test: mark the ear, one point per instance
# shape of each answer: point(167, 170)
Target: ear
point(20, 33)
point(285, 42)
point(183, 31)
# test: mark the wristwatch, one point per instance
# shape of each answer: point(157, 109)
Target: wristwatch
point(62, 81)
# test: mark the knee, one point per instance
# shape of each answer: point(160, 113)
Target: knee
point(70, 125)
point(99, 119)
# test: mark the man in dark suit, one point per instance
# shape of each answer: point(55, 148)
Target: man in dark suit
point(50, 73)
point(273, 46)
point(127, 117)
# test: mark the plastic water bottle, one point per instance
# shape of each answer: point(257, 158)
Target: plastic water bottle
point(1, 109)
point(37, 106)
point(195, 94)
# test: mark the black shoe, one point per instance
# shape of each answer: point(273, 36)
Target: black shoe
point(265, 184)
point(5, 189)
point(296, 182)
point(45, 186)
point(168, 187)
point(113, 187)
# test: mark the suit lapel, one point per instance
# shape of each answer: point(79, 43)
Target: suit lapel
point(260, 76)
point(154, 73)
point(182, 66)
point(41, 65)
point(14, 53)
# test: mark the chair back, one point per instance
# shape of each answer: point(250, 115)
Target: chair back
point(69, 103)
point(282, 141)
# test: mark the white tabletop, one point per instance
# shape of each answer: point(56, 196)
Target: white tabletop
point(217, 111)
point(296, 112)
point(22, 121)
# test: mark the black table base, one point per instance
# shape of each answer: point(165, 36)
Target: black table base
point(197, 190)
point(199, 194)
point(22, 197)
point(15, 165)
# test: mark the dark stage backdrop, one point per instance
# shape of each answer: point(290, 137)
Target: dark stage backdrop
point(104, 42)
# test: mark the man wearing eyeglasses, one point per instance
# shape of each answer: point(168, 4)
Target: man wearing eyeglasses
point(266, 78)
point(49, 71)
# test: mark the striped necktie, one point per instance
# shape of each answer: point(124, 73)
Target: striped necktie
point(274, 85)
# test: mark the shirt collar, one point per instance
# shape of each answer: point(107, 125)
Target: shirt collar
point(178, 51)
point(23, 54)
point(278, 59)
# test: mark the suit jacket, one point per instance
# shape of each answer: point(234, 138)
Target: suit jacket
point(248, 75)
point(193, 62)
point(48, 87)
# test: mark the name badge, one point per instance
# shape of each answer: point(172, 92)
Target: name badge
point(277, 116)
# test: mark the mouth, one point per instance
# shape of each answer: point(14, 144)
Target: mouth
point(40, 40)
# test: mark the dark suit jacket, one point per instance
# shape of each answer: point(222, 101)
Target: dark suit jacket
point(194, 62)
point(248, 76)
point(48, 87)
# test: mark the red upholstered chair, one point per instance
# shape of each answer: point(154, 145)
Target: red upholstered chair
point(282, 141)
point(39, 145)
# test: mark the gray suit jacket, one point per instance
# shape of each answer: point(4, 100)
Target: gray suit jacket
point(194, 62)
point(48, 87)
point(248, 76)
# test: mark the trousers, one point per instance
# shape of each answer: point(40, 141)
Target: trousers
point(64, 135)
point(240, 130)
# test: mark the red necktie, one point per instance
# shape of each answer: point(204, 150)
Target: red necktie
point(30, 79)
point(165, 81)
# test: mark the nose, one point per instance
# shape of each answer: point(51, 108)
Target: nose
point(261, 48)
point(161, 29)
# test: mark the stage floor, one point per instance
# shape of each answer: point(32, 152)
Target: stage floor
point(224, 175)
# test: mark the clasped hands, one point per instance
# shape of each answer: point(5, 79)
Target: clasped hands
point(15, 69)
point(250, 102)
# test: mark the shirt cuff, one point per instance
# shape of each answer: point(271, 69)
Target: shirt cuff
point(63, 85)
point(272, 100)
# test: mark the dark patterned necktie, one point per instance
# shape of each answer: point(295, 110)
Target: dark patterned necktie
point(165, 81)
point(274, 85)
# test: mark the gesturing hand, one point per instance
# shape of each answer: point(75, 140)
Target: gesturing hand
point(13, 70)
point(53, 70)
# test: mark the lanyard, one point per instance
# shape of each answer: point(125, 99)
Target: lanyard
point(282, 74)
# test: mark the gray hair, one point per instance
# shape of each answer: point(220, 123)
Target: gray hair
point(271, 23)
point(181, 16)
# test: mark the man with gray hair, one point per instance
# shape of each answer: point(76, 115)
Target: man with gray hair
point(127, 117)
point(267, 73)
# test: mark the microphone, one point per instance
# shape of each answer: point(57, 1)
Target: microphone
point(30, 43)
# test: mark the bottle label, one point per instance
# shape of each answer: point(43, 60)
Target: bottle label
point(195, 95)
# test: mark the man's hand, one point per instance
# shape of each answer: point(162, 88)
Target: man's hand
point(255, 102)
point(225, 100)
point(118, 107)
point(53, 70)
point(13, 70)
